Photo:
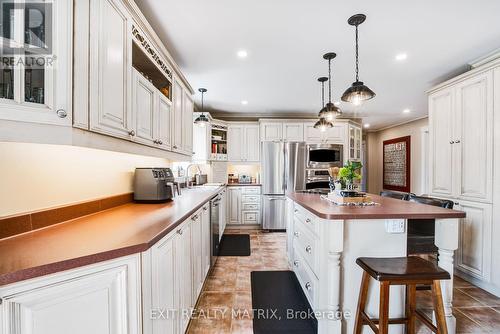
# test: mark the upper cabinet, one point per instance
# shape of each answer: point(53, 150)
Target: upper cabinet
point(243, 143)
point(354, 138)
point(333, 135)
point(293, 131)
point(271, 131)
point(36, 72)
point(461, 139)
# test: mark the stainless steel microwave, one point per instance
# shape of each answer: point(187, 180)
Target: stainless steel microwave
point(325, 155)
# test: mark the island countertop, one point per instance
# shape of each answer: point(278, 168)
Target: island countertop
point(386, 207)
point(119, 231)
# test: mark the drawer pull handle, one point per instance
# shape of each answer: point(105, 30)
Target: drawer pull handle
point(205, 208)
point(296, 263)
point(308, 220)
point(295, 210)
point(296, 233)
point(309, 249)
point(308, 286)
point(179, 232)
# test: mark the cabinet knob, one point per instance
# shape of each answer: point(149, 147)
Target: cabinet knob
point(160, 142)
point(205, 208)
point(175, 146)
point(179, 231)
point(61, 113)
point(452, 142)
point(296, 233)
point(308, 286)
point(131, 132)
point(308, 249)
point(295, 210)
point(457, 141)
point(308, 220)
point(194, 217)
point(296, 263)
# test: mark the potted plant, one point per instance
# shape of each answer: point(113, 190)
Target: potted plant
point(349, 173)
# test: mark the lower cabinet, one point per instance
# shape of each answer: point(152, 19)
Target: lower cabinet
point(100, 298)
point(243, 205)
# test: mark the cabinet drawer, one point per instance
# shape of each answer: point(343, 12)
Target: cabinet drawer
point(250, 217)
point(250, 190)
point(306, 219)
point(307, 280)
point(251, 206)
point(250, 199)
point(307, 244)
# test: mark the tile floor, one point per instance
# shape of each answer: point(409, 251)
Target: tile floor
point(225, 303)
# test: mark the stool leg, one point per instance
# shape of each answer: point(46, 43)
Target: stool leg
point(437, 299)
point(383, 324)
point(411, 301)
point(363, 294)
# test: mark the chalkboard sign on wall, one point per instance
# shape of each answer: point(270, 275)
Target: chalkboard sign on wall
point(396, 168)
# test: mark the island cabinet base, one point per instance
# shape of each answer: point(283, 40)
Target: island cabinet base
point(323, 255)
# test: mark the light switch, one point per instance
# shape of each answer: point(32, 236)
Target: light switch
point(395, 225)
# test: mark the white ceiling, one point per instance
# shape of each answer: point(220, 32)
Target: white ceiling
point(286, 39)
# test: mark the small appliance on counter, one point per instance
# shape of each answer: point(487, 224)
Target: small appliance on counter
point(154, 185)
point(232, 178)
point(200, 179)
point(244, 179)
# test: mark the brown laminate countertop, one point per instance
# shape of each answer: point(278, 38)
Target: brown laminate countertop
point(120, 231)
point(387, 208)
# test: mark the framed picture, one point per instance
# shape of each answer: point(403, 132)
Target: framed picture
point(396, 164)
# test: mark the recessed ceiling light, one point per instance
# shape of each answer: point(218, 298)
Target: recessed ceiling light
point(406, 111)
point(401, 56)
point(366, 125)
point(337, 103)
point(242, 53)
point(244, 102)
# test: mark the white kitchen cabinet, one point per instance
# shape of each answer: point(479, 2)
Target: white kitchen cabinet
point(196, 255)
point(312, 135)
point(271, 131)
point(333, 135)
point(474, 249)
point(293, 131)
point(355, 139)
point(164, 122)
point(37, 80)
point(243, 143)
point(205, 240)
point(144, 106)
point(185, 271)
point(110, 69)
point(223, 207)
point(100, 298)
point(234, 205)
point(161, 286)
point(177, 124)
point(187, 114)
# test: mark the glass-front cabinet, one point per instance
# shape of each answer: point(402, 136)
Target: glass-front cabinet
point(35, 64)
point(354, 142)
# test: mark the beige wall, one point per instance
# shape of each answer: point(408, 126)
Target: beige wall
point(374, 151)
point(39, 176)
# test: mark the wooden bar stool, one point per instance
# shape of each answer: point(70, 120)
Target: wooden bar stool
point(408, 271)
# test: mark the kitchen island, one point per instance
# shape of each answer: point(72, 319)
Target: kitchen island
point(325, 239)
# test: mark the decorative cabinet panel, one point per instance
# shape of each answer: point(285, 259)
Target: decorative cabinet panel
point(355, 139)
point(185, 272)
point(474, 251)
point(196, 256)
point(101, 298)
point(334, 135)
point(293, 132)
point(244, 205)
point(234, 205)
point(164, 122)
point(205, 240)
point(144, 105)
point(243, 142)
point(36, 80)
point(271, 131)
point(441, 116)
point(178, 104)
point(473, 138)
point(187, 115)
point(110, 69)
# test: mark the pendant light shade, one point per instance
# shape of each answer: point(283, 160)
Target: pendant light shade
point(322, 124)
point(202, 120)
point(330, 111)
point(358, 92)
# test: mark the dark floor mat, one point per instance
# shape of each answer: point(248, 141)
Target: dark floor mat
point(280, 291)
point(235, 245)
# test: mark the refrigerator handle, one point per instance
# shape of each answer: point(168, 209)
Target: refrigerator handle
point(285, 172)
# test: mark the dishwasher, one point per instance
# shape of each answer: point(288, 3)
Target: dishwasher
point(214, 227)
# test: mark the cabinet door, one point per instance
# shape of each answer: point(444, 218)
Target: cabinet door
point(235, 143)
point(205, 240)
point(183, 244)
point(441, 116)
point(335, 134)
point(196, 255)
point(164, 122)
point(164, 292)
point(312, 135)
point(234, 205)
point(358, 142)
point(474, 251)
point(293, 132)
point(474, 138)
point(223, 209)
point(143, 110)
point(177, 125)
point(188, 123)
point(252, 143)
point(271, 131)
point(110, 69)
point(103, 298)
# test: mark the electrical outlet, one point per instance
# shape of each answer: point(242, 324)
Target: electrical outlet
point(395, 225)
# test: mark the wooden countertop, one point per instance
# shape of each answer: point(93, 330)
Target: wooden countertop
point(120, 231)
point(388, 208)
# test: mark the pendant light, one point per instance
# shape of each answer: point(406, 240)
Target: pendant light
point(202, 119)
point(358, 92)
point(330, 111)
point(322, 124)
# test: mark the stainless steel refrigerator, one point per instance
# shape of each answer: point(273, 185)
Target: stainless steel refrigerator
point(283, 170)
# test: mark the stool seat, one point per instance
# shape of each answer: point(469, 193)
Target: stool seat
point(410, 268)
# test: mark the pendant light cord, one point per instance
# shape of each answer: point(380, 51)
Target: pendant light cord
point(323, 94)
point(329, 80)
point(202, 108)
point(357, 55)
